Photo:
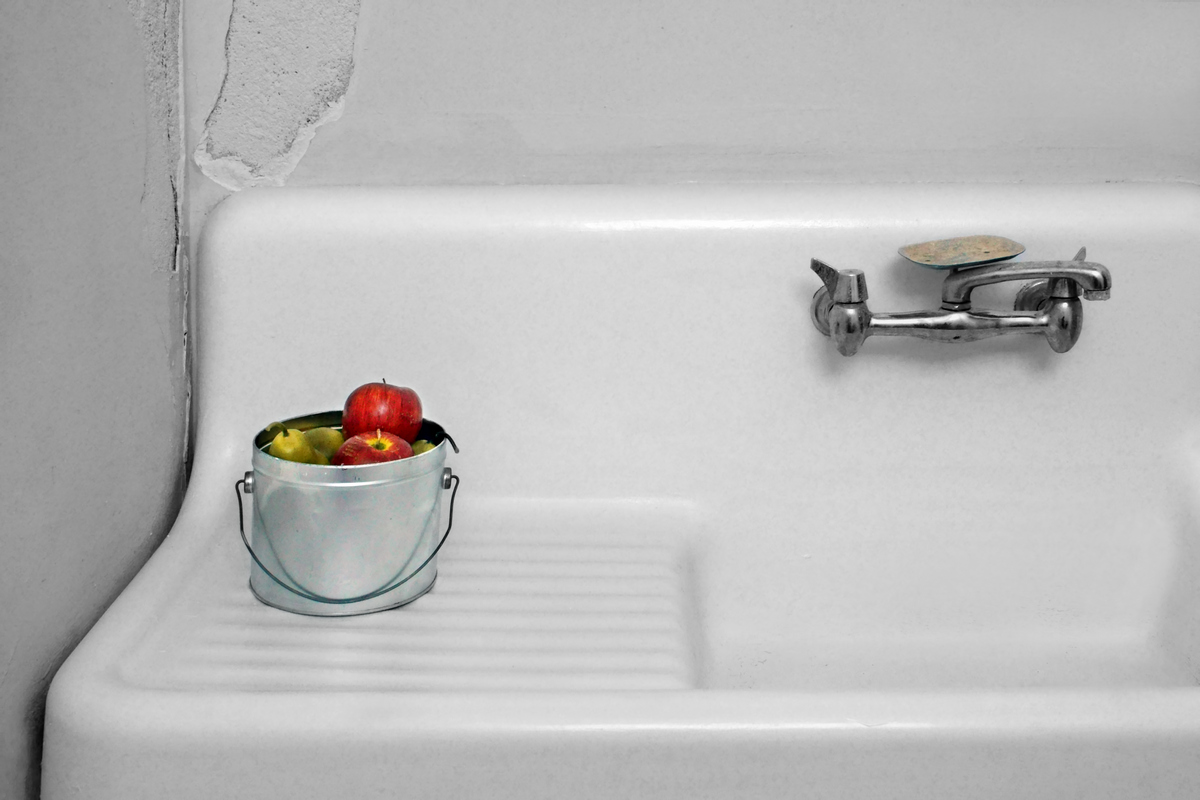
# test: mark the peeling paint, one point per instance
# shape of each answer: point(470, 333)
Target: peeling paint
point(288, 66)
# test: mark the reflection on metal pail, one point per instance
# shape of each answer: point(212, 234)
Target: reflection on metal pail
point(339, 541)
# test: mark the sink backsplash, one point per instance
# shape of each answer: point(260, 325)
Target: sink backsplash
point(597, 343)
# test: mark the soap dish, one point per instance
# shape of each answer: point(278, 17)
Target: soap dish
point(963, 251)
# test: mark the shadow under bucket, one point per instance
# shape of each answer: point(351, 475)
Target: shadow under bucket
point(337, 541)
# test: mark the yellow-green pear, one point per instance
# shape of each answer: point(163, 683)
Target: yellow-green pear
point(325, 441)
point(291, 445)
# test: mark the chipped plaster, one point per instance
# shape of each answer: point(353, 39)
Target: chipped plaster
point(288, 65)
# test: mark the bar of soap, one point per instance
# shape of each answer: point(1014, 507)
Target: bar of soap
point(963, 251)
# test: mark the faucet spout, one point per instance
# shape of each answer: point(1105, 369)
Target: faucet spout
point(1093, 280)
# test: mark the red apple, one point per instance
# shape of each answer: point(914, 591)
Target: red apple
point(371, 448)
point(392, 409)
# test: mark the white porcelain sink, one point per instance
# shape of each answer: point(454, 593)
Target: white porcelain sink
point(696, 552)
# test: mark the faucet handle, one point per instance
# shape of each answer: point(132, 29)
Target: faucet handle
point(844, 286)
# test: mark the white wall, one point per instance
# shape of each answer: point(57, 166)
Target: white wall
point(92, 367)
point(764, 90)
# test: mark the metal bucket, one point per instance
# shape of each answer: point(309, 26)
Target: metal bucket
point(339, 541)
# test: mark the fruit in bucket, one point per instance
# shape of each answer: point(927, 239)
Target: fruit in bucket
point(422, 446)
point(292, 445)
point(381, 406)
point(325, 441)
point(371, 448)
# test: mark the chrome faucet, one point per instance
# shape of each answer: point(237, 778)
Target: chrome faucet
point(1047, 304)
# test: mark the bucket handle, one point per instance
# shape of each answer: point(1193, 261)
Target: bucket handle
point(241, 485)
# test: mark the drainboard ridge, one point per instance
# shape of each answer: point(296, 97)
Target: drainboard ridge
point(597, 611)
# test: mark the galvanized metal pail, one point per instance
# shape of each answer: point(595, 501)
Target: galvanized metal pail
point(345, 540)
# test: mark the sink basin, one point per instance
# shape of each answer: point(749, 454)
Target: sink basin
point(696, 553)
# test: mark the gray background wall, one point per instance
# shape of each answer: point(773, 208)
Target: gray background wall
point(92, 365)
point(94, 139)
